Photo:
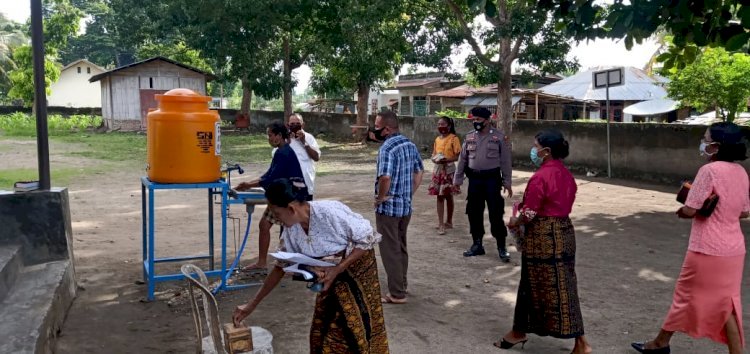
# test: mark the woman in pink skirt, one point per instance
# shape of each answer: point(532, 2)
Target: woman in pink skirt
point(707, 301)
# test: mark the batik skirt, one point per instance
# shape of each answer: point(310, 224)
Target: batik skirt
point(348, 317)
point(442, 180)
point(547, 303)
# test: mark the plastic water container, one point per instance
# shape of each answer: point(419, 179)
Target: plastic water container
point(184, 144)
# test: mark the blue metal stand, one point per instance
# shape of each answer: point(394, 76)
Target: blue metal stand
point(250, 200)
point(149, 238)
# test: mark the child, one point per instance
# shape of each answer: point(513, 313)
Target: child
point(444, 154)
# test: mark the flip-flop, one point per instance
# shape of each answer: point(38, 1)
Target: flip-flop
point(387, 299)
point(253, 267)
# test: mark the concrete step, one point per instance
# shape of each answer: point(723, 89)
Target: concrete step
point(10, 265)
point(35, 308)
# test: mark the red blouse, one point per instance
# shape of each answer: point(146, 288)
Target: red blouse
point(551, 191)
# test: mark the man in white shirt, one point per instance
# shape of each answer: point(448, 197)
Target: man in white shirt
point(306, 148)
point(308, 152)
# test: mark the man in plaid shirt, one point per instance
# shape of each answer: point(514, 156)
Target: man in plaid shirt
point(399, 174)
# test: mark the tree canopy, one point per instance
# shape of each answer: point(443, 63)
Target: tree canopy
point(716, 80)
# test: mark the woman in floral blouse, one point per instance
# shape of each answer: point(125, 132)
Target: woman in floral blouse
point(348, 314)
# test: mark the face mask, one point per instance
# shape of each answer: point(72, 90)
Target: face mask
point(535, 159)
point(379, 134)
point(444, 130)
point(703, 148)
point(478, 126)
point(295, 127)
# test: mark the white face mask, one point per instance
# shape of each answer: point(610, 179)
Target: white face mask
point(703, 148)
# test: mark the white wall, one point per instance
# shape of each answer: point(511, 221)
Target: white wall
point(74, 89)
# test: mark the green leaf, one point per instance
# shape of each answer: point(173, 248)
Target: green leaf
point(663, 57)
point(490, 9)
point(476, 5)
point(744, 15)
point(737, 42)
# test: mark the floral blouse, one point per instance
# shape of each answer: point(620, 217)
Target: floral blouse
point(333, 228)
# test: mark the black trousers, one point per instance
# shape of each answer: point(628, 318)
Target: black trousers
point(481, 191)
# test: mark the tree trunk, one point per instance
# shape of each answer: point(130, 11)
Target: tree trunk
point(363, 93)
point(247, 96)
point(504, 100)
point(287, 79)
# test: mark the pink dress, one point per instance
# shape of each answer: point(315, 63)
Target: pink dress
point(707, 292)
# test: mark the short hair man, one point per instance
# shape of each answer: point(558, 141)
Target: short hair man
point(399, 174)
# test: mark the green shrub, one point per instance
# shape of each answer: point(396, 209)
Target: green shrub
point(451, 114)
point(22, 124)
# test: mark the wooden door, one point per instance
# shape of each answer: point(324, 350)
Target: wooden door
point(148, 101)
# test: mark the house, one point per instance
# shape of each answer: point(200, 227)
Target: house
point(127, 92)
point(380, 100)
point(637, 87)
point(527, 103)
point(414, 92)
point(73, 88)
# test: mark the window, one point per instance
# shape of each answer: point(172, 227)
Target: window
point(79, 69)
point(88, 70)
point(150, 82)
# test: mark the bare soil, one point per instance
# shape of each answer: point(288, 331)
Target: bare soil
point(630, 250)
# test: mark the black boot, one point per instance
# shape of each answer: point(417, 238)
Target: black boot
point(476, 249)
point(504, 254)
point(502, 251)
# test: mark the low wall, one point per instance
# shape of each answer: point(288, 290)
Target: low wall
point(64, 111)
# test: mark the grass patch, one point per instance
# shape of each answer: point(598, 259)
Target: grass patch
point(117, 147)
point(22, 124)
point(59, 176)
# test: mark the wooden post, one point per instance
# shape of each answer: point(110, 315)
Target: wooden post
point(536, 106)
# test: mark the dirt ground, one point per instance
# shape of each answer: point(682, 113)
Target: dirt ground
point(630, 249)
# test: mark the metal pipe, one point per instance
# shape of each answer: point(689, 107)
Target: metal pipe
point(40, 94)
point(609, 144)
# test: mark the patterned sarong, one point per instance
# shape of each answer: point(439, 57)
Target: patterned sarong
point(348, 317)
point(547, 302)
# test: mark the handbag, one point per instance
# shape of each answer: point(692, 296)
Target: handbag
point(708, 205)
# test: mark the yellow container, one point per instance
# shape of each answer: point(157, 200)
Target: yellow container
point(184, 143)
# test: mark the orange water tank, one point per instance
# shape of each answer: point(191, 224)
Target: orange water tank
point(184, 143)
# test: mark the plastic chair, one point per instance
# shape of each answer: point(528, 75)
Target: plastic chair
point(214, 342)
point(210, 310)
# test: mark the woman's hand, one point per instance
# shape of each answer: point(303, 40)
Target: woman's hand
point(329, 275)
point(686, 213)
point(241, 312)
point(514, 222)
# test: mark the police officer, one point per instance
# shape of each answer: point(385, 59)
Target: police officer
point(486, 160)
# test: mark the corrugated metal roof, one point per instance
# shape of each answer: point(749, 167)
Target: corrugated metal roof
point(107, 73)
point(638, 87)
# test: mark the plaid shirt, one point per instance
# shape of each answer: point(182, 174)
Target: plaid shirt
point(398, 158)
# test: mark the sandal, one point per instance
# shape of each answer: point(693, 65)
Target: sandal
point(254, 267)
point(388, 299)
point(448, 226)
point(441, 231)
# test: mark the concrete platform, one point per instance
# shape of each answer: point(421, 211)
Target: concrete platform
point(35, 307)
point(10, 265)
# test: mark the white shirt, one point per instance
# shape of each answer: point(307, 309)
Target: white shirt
point(333, 228)
point(306, 164)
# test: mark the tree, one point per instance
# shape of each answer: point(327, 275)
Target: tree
point(22, 78)
point(719, 23)
point(12, 36)
point(523, 31)
point(60, 22)
point(716, 79)
point(178, 52)
point(367, 42)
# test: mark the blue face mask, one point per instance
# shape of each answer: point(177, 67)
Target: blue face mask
point(535, 159)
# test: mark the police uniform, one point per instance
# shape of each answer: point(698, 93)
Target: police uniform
point(486, 160)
